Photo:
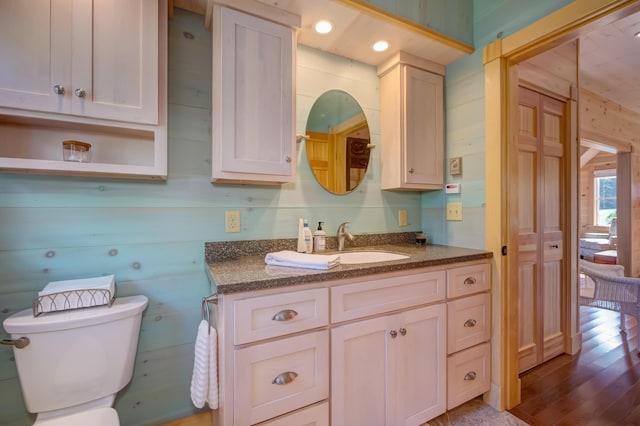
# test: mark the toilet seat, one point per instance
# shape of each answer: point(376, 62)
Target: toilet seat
point(104, 416)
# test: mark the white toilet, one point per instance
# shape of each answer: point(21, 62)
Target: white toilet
point(76, 361)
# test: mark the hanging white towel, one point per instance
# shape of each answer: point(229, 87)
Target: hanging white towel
point(302, 260)
point(204, 381)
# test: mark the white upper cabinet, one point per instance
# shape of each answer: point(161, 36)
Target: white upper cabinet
point(412, 125)
point(86, 58)
point(253, 99)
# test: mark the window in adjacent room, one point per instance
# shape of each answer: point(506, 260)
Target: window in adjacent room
point(605, 196)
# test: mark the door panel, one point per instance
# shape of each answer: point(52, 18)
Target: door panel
point(539, 177)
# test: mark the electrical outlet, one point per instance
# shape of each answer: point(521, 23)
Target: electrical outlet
point(232, 221)
point(454, 211)
point(402, 218)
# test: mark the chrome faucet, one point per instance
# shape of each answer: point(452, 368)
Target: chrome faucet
point(341, 234)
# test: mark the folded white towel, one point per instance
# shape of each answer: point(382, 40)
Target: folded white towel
point(81, 293)
point(204, 381)
point(302, 260)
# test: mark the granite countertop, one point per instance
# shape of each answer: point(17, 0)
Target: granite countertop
point(232, 271)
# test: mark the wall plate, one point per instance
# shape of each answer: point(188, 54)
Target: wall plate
point(455, 166)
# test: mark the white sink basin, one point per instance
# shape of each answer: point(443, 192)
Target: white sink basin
point(357, 257)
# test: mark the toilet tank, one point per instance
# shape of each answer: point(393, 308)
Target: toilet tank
point(76, 356)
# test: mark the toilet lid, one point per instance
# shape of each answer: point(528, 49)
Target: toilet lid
point(97, 417)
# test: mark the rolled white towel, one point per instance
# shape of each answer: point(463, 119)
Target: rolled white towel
point(302, 260)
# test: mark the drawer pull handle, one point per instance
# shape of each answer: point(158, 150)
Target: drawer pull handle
point(470, 323)
point(471, 375)
point(403, 331)
point(285, 378)
point(285, 315)
point(470, 280)
point(393, 334)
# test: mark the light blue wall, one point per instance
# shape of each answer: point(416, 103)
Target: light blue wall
point(465, 122)
point(151, 234)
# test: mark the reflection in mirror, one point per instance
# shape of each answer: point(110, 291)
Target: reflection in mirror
point(338, 142)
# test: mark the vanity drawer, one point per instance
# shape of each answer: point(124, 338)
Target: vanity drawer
point(315, 415)
point(264, 317)
point(468, 374)
point(467, 280)
point(468, 322)
point(375, 296)
point(277, 377)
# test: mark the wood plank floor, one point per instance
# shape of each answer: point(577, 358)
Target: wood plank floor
point(599, 386)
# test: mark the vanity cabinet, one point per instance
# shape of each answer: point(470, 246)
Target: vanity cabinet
point(89, 71)
point(382, 349)
point(253, 99)
point(411, 124)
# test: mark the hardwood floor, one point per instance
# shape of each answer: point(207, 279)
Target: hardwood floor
point(598, 386)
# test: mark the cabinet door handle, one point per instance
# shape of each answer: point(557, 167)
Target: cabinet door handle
point(285, 315)
point(411, 170)
point(287, 159)
point(393, 334)
point(554, 246)
point(471, 375)
point(80, 92)
point(470, 280)
point(470, 323)
point(403, 331)
point(58, 89)
point(285, 378)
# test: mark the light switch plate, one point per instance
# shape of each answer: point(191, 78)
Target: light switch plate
point(402, 218)
point(232, 221)
point(454, 211)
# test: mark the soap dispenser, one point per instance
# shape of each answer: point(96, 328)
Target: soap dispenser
point(320, 238)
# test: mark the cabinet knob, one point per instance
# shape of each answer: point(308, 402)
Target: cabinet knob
point(287, 159)
point(285, 378)
point(285, 315)
point(470, 280)
point(554, 246)
point(393, 334)
point(80, 92)
point(471, 375)
point(470, 323)
point(411, 170)
point(58, 89)
point(403, 331)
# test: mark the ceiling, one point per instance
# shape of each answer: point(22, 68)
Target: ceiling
point(609, 62)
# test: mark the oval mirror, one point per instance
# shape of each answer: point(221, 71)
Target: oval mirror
point(338, 143)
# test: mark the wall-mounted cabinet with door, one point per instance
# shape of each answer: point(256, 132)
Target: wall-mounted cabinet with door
point(253, 95)
point(412, 123)
point(88, 71)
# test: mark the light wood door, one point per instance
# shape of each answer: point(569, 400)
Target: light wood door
point(538, 176)
point(389, 370)
point(108, 69)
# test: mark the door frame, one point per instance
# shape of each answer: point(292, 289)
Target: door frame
point(501, 82)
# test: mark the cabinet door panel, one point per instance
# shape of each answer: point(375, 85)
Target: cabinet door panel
point(35, 48)
point(359, 373)
point(253, 87)
point(421, 365)
point(113, 63)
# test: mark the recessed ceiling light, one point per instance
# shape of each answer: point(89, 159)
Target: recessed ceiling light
point(380, 46)
point(323, 27)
